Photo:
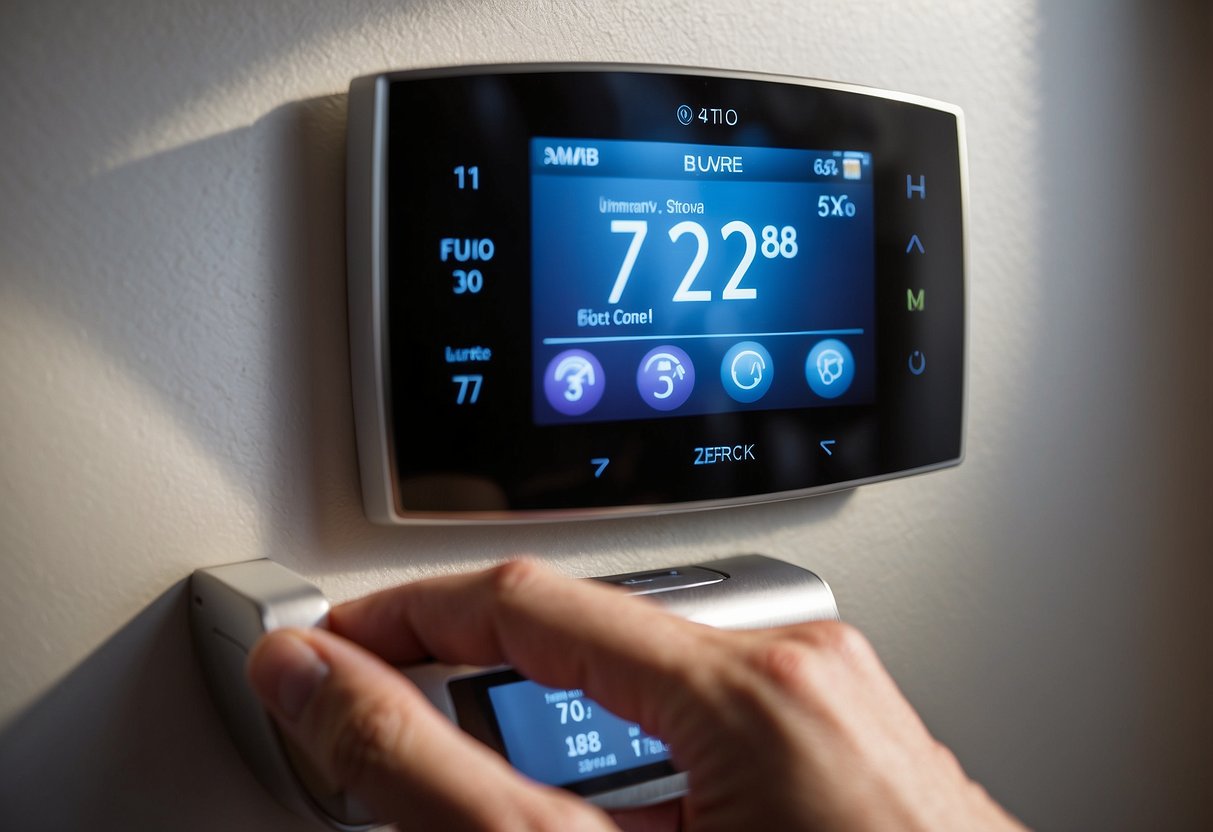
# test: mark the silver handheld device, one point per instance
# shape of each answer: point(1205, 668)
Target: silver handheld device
point(560, 737)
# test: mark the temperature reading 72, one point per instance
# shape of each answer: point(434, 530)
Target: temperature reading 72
point(776, 242)
point(835, 206)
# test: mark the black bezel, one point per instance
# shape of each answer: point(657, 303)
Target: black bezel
point(491, 458)
point(475, 715)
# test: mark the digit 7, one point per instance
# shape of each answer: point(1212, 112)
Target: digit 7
point(638, 228)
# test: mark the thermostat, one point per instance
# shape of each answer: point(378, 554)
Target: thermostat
point(555, 736)
point(582, 289)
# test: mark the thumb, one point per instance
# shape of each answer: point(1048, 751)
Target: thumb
point(365, 729)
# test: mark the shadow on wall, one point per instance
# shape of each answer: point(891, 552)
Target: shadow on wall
point(316, 460)
point(130, 740)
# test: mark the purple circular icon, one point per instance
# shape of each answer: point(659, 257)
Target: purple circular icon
point(665, 378)
point(573, 382)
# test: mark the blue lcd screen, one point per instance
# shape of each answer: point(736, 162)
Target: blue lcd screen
point(560, 737)
point(677, 279)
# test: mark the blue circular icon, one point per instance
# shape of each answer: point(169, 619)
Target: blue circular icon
point(665, 377)
point(573, 382)
point(746, 371)
point(830, 368)
point(685, 114)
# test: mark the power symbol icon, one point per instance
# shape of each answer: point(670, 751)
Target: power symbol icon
point(917, 363)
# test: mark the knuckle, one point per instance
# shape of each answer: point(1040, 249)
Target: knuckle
point(838, 639)
point(802, 660)
point(784, 661)
point(513, 579)
point(946, 756)
point(366, 738)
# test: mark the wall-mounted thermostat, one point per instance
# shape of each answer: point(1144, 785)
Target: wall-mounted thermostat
point(580, 289)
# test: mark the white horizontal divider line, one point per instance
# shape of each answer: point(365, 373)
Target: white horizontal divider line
point(603, 339)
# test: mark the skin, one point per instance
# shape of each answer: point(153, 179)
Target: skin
point(791, 728)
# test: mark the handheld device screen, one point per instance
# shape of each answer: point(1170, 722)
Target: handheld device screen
point(560, 737)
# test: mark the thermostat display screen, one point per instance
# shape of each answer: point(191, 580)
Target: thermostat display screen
point(577, 290)
point(672, 279)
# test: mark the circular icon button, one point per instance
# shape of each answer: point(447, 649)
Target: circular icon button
point(685, 114)
point(746, 371)
point(665, 378)
point(830, 368)
point(573, 382)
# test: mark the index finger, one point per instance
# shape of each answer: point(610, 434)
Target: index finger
point(630, 655)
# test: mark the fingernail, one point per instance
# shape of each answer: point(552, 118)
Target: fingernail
point(286, 671)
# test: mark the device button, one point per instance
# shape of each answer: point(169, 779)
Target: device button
point(829, 368)
point(664, 580)
point(916, 301)
point(746, 371)
point(920, 188)
point(917, 362)
point(573, 382)
point(665, 378)
point(826, 444)
point(600, 464)
point(915, 243)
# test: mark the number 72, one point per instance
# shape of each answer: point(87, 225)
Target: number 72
point(639, 229)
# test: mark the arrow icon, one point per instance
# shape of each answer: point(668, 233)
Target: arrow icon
point(602, 462)
point(914, 241)
point(825, 446)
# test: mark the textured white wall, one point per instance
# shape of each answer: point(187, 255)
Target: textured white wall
point(174, 390)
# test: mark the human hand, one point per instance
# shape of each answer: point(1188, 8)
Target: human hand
point(791, 728)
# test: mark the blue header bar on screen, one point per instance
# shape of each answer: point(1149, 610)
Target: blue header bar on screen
point(670, 160)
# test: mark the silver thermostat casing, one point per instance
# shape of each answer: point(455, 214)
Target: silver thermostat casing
point(233, 606)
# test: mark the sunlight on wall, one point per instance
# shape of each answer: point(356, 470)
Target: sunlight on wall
point(93, 464)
